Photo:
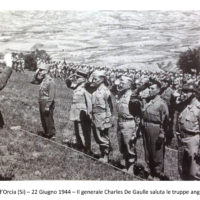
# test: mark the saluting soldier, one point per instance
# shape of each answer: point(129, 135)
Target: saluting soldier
point(126, 125)
point(189, 133)
point(46, 99)
point(155, 117)
point(81, 108)
point(102, 109)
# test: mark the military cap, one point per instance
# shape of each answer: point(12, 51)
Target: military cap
point(167, 80)
point(137, 81)
point(190, 87)
point(123, 78)
point(126, 78)
point(190, 81)
point(154, 81)
point(144, 80)
point(82, 73)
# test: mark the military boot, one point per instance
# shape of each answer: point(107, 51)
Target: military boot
point(122, 162)
point(104, 159)
point(130, 169)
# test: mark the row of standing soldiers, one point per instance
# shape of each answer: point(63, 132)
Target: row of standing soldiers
point(152, 110)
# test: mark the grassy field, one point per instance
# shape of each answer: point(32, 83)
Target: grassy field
point(29, 157)
point(19, 105)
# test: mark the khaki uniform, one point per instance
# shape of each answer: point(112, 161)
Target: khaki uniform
point(126, 129)
point(46, 100)
point(80, 113)
point(189, 131)
point(154, 117)
point(101, 117)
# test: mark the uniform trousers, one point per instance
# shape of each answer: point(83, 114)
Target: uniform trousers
point(102, 139)
point(126, 132)
point(154, 150)
point(188, 163)
point(83, 134)
point(47, 119)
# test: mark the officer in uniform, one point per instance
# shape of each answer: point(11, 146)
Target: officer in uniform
point(81, 108)
point(126, 125)
point(46, 99)
point(102, 109)
point(188, 134)
point(155, 116)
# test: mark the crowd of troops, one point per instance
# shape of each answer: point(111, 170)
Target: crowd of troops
point(18, 63)
point(154, 105)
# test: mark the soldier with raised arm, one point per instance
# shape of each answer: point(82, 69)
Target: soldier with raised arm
point(80, 111)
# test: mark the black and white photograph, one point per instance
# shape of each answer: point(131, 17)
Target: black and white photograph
point(102, 95)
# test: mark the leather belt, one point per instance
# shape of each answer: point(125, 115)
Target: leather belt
point(152, 122)
point(125, 119)
point(98, 110)
point(191, 133)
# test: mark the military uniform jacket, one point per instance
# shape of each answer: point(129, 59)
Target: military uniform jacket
point(47, 90)
point(189, 119)
point(101, 107)
point(81, 102)
point(123, 105)
point(156, 111)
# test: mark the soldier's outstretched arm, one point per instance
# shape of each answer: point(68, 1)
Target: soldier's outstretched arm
point(142, 87)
